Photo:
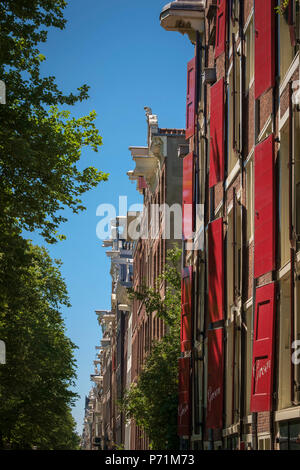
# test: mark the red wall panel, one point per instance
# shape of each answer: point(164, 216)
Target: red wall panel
point(264, 46)
point(184, 410)
point(216, 165)
point(215, 368)
point(187, 196)
point(221, 28)
point(186, 309)
point(264, 248)
point(191, 98)
point(215, 271)
point(263, 349)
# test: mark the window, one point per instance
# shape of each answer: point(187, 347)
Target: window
point(229, 370)
point(232, 442)
point(250, 54)
point(248, 360)
point(264, 443)
point(202, 170)
point(284, 389)
point(229, 263)
point(233, 110)
point(297, 332)
point(289, 435)
point(233, 256)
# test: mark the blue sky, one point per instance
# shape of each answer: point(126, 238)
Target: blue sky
point(121, 51)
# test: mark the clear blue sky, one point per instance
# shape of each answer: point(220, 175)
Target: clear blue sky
point(122, 52)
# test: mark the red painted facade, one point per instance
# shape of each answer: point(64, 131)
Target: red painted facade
point(264, 46)
point(186, 309)
point(263, 349)
point(187, 196)
point(215, 271)
point(221, 28)
point(191, 97)
point(216, 171)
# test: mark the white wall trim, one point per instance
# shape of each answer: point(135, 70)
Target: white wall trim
point(284, 270)
point(218, 208)
point(264, 129)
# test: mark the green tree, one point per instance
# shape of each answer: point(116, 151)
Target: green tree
point(41, 173)
point(35, 395)
point(40, 144)
point(152, 402)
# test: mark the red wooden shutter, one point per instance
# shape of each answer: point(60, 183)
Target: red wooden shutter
point(264, 248)
point(184, 397)
point(263, 349)
point(215, 367)
point(216, 166)
point(186, 309)
point(190, 98)
point(215, 271)
point(221, 28)
point(187, 196)
point(264, 46)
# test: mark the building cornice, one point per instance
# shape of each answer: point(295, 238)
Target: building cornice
point(185, 17)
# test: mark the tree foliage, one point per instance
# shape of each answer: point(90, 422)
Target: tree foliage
point(35, 396)
point(152, 402)
point(40, 144)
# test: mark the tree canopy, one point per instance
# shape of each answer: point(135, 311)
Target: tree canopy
point(40, 144)
point(41, 174)
point(35, 383)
